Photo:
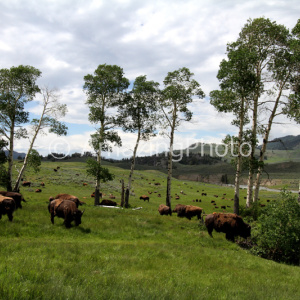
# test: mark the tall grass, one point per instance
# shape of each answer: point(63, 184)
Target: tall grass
point(126, 253)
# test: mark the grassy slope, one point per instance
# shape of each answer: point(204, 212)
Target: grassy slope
point(129, 254)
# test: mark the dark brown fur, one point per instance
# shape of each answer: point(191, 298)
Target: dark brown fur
point(16, 196)
point(68, 197)
point(67, 210)
point(231, 224)
point(7, 207)
point(108, 202)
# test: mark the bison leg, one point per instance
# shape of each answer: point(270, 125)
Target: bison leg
point(67, 224)
point(210, 230)
point(52, 218)
point(229, 237)
point(10, 216)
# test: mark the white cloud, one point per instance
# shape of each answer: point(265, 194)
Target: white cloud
point(68, 39)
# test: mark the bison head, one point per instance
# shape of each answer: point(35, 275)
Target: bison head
point(246, 232)
point(77, 217)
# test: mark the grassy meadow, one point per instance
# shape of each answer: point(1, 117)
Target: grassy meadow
point(130, 253)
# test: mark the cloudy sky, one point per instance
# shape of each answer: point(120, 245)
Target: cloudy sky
point(68, 39)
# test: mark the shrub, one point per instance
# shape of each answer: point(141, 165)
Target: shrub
point(277, 233)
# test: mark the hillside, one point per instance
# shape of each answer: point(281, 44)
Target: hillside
point(289, 142)
point(16, 155)
point(127, 253)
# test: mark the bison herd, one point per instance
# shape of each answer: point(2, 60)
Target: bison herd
point(230, 224)
point(65, 206)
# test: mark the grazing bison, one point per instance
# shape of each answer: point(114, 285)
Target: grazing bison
point(144, 197)
point(65, 209)
point(108, 202)
point(67, 197)
point(188, 211)
point(38, 190)
point(192, 211)
point(164, 210)
point(26, 183)
point(7, 207)
point(180, 210)
point(231, 224)
point(16, 196)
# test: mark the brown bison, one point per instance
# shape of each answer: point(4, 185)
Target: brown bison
point(144, 197)
point(188, 211)
point(231, 224)
point(65, 209)
point(67, 197)
point(108, 202)
point(164, 210)
point(7, 207)
point(26, 183)
point(16, 196)
point(192, 211)
point(180, 210)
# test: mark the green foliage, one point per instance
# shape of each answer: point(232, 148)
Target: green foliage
point(251, 213)
point(179, 91)
point(34, 161)
point(104, 92)
point(138, 109)
point(278, 231)
point(95, 170)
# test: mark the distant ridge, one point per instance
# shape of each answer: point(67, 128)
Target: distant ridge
point(289, 142)
point(16, 154)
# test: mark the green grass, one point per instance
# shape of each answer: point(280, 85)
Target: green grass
point(130, 254)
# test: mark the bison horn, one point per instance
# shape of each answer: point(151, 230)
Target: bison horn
point(82, 212)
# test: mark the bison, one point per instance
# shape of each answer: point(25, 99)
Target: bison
point(108, 202)
point(192, 211)
point(67, 197)
point(180, 210)
point(16, 196)
point(231, 224)
point(144, 197)
point(65, 209)
point(26, 183)
point(188, 211)
point(7, 207)
point(164, 210)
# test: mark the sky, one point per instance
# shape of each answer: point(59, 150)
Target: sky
point(68, 39)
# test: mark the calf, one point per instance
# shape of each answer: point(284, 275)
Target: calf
point(144, 197)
